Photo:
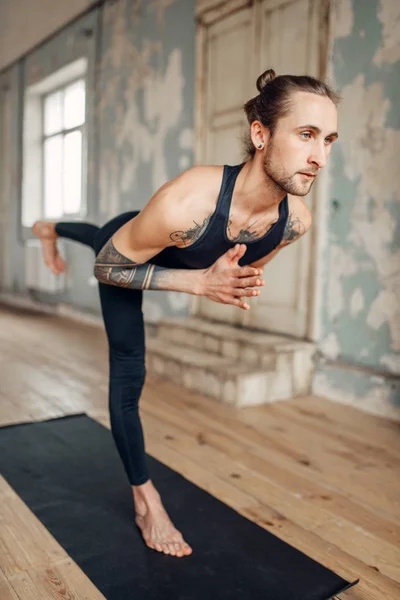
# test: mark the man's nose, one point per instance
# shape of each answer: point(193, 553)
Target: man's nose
point(318, 156)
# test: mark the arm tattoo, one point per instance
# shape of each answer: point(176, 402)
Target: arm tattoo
point(113, 268)
point(191, 235)
point(294, 229)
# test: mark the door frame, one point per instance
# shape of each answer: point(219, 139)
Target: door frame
point(209, 12)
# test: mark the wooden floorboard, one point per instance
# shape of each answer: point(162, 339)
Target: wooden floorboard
point(322, 476)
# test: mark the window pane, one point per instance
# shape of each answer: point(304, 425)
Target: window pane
point(53, 113)
point(72, 178)
point(74, 104)
point(53, 177)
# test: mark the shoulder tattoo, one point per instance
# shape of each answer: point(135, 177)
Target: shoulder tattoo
point(294, 229)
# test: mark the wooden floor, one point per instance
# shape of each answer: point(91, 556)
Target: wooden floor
point(322, 476)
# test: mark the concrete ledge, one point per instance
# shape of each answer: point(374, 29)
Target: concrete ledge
point(256, 349)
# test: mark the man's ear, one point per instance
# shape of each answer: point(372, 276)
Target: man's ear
point(259, 134)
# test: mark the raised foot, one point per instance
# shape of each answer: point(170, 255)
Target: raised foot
point(160, 534)
point(48, 238)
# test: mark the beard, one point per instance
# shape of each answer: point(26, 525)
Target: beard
point(291, 184)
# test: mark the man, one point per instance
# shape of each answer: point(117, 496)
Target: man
point(208, 232)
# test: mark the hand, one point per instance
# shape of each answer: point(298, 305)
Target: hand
point(227, 282)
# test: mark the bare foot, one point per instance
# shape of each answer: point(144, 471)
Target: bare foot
point(159, 533)
point(48, 238)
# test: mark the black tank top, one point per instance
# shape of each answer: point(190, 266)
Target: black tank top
point(214, 241)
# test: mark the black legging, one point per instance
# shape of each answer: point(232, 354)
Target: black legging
point(123, 319)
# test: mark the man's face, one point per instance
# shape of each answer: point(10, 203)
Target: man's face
point(301, 143)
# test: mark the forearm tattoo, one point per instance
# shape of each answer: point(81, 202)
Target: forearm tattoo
point(113, 268)
point(293, 230)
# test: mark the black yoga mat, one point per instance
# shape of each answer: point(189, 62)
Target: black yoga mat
point(69, 474)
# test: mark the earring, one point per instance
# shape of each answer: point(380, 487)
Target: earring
point(260, 146)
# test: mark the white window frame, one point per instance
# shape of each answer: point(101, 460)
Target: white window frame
point(33, 136)
point(64, 131)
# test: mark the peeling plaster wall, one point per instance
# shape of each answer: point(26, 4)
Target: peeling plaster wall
point(145, 111)
point(140, 126)
point(361, 287)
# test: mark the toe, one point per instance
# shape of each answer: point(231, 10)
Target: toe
point(60, 262)
point(149, 544)
point(178, 549)
point(158, 547)
point(165, 549)
point(172, 550)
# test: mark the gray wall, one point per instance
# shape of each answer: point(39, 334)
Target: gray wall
point(141, 80)
point(140, 125)
point(145, 111)
point(360, 311)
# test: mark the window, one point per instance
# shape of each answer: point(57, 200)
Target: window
point(54, 144)
point(63, 135)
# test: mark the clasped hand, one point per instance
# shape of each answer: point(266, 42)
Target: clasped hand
point(227, 282)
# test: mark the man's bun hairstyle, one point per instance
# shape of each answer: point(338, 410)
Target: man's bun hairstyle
point(265, 78)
